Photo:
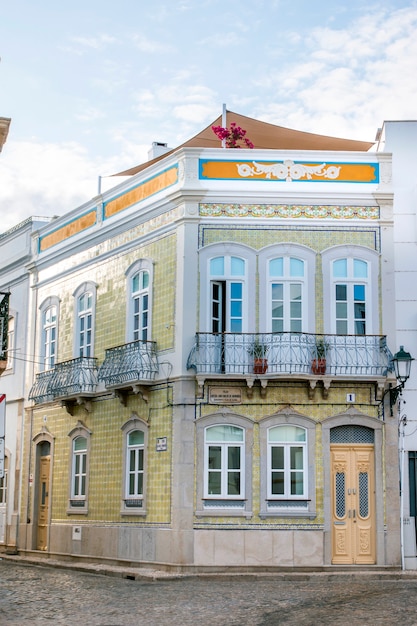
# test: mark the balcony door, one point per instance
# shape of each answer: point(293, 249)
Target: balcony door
point(227, 322)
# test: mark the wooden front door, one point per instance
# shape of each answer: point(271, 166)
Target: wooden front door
point(353, 504)
point(43, 503)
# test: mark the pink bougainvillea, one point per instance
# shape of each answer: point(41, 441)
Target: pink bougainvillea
point(232, 136)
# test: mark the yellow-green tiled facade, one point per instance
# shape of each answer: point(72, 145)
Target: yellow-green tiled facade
point(169, 231)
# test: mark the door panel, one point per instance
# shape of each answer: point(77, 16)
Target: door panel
point(353, 504)
point(43, 503)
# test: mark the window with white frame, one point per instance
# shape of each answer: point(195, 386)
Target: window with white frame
point(11, 334)
point(224, 461)
point(135, 465)
point(287, 465)
point(286, 288)
point(85, 302)
point(286, 284)
point(134, 485)
point(80, 445)
point(49, 334)
point(287, 462)
point(49, 315)
point(228, 281)
point(350, 289)
point(350, 278)
point(139, 287)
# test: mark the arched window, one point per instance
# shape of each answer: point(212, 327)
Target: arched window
point(80, 450)
point(139, 303)
point(49, 311)
point(135, 461)
point(227, 288)
point(350, 289)
point(85, 304)
point(286, 289)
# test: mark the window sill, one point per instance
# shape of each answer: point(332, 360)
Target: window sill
point(133, 512)
point(288, 514)
point(224, 512)
point(77, 511)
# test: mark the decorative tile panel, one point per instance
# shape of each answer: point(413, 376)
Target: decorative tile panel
point(289, 211)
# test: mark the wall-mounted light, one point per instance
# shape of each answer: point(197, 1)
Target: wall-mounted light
point(401, 362)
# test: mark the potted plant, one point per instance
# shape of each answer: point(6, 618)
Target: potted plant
point(259, 350)
point(318, 363)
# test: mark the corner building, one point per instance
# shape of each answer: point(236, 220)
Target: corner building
point(212, 335)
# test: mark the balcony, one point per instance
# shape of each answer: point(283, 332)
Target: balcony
point(129, 366)
point(72, 381)
point(289, 354)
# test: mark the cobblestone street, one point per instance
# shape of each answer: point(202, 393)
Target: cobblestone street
point(33, 594)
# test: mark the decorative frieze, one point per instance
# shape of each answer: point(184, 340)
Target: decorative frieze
point(292, 211)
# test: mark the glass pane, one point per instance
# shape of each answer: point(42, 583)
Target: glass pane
point(277, 487)
point(277, 326)
point(236, 291)
point(140, 459)
point(276, 267)
point(215, 457)
point(360, 328)
point(340, 268)
point(277, 457)
point(278, 311)
point(340, 495)
point(140, 485)
point(145, 280)
point(80, 443)
point(224, 433)
point(341, 310)
point(236, 326)
point(233, 457)
point(277, 291)
point(82, 490)
point(132, 458)
point(297, 484)
point(217, 266)
point(296, 267)
point(363, 494)
point(360, 310)
point(131, 485)
point(135, 283)
point(341, 327)
point(295, 309)
point(237, 266)
point(359, 292)
point(295, 326)
point(296, 455)
point(214, 483)
point(341, 292)
point(233, 484)
point(287, 433)
point(360, 268)
point(136, 438)
point(236, 308)
point(295, 291)
point(83, 463)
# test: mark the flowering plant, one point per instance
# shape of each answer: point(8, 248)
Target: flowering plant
point(232, 136)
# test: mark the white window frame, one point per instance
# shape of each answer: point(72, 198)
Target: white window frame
point(78, 502)
point(87, 288)
point(223, 505)
point(351, 252)
point(224, 471)
point(141, 265)
point(287, 505)
point(248, 281)
point(134, 505)
point(46, 355)
point(287, 470)
point(11, 342)
point(287, 251)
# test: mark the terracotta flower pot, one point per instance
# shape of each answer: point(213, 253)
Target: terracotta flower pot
point(318, 366)
point(260, 366)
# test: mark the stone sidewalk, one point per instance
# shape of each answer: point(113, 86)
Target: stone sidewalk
point(39, 591)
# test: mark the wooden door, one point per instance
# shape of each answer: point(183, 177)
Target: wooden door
point(43, 503)
point(353, 504)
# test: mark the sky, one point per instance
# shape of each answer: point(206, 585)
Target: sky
point(90, 84)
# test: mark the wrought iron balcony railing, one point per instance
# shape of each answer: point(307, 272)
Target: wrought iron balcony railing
point(129, 364)
point(76, 377)
point(289, 353)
